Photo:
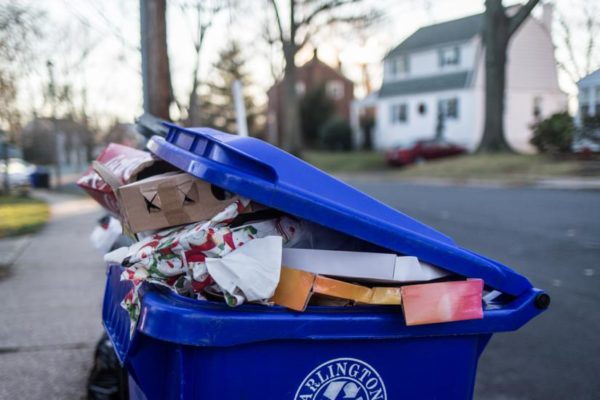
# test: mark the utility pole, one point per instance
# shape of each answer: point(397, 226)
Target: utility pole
point(240, 108)
point(156, 77)
point(57, 138)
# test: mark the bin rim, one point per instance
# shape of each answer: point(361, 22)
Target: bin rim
point(173, 318)
point(266, 174)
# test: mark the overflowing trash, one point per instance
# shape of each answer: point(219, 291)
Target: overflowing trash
point(203, 242)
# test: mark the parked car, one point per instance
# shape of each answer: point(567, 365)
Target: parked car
point(18, 173)
point(422, 150)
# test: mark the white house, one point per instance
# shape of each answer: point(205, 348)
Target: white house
point(589, 96)
point(439, 70)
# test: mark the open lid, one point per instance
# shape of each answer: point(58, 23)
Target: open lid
point(266, 174)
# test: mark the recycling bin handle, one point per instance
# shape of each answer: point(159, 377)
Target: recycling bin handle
point(205, 143)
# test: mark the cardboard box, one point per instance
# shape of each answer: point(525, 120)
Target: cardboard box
point(164, 200)
point(123, 162)
point(296, 288)
point(433, 303)
point(379, 267)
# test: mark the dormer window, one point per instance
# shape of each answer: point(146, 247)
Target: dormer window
point(449, 56)
point(399, 65)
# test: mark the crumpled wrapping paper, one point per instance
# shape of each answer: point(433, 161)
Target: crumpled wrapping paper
point(176, 257)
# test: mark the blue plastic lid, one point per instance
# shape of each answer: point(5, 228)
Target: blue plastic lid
point(270, 176)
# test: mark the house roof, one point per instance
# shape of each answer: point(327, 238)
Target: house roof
point(435, 83)
point(592, 78)
point(446, 32)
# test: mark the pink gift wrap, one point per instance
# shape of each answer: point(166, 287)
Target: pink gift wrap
point(433, 303)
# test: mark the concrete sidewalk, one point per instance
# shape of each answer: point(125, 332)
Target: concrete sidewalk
point(50, 305)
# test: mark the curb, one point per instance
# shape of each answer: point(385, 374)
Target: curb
point(550, 184)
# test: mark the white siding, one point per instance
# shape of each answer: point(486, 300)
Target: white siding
point(423, 126)
point(426, 63)
point(531, 72)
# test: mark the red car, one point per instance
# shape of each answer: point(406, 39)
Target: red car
point(422, 150)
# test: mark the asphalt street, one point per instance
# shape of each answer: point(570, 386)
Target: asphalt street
point(553, 238)
point(50, 303)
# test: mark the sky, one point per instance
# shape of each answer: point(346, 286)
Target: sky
point(94, 45)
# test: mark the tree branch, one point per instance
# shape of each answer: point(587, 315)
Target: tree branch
point(329, 5)
point(278, 20)
point(516, 20)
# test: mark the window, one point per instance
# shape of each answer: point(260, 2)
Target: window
point(597, 108)
point(448, 108)
point(422, 109)
point(398, 113)
point(537, 107)
point(399, 65)
point(584, 110)
point(584, 97)
point(335, 90)
point(449, 56)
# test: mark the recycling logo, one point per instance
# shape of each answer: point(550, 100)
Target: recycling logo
point(342, 379)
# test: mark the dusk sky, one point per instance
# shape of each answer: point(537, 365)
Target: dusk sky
point(109, 68)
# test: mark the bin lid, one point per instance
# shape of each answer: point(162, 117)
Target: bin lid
point(268, 175)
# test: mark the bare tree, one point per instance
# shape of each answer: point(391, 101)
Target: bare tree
point(204, 13)
point(18, 32)
point(498, 29)
point(577, 36)
point(304, 20)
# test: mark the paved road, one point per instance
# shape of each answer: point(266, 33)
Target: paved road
point(553, 238)
point(50, 308)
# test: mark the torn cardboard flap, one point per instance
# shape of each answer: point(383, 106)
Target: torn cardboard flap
point(296, 288)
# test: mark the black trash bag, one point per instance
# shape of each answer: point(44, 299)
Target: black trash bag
point(108, 379)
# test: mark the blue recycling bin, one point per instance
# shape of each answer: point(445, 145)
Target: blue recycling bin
point(184, 348)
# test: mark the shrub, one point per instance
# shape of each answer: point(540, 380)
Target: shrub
point(315, 110)
point(554, 134)
point(336, 134)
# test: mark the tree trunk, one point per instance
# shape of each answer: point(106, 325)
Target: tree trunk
point(496, 37)
point(292, 140)
point(155, 58)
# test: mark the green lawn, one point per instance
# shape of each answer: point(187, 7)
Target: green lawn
point(345, 161)
point(20, 215)
point(506, 167)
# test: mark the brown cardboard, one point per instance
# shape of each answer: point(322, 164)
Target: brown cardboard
point(342, 290)
point(296, 287)
point(164, 200)
point(125, 165)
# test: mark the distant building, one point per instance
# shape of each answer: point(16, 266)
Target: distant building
point(44, 140)
point(433, 82)
point(309, 76)
point(589, 96)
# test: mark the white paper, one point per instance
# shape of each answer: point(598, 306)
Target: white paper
point(252, 269)
point(379, 267)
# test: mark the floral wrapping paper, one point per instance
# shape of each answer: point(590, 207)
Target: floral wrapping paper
point(175, 257)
